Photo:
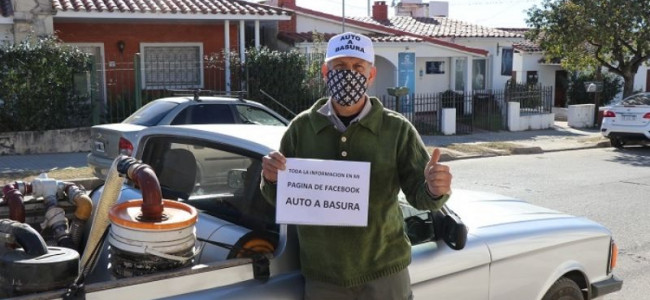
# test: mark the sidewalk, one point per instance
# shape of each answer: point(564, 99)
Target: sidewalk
point(41, 162)
point(559, 138)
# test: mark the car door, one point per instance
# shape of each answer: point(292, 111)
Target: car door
point(439, 271)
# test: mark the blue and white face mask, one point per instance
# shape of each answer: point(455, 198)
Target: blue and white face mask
point(346, 87)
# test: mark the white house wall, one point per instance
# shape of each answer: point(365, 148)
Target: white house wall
point(494, 46)
point(640, 78)
point(431, 83)
point(308, 23)
point(5, 34)
point(386, 77)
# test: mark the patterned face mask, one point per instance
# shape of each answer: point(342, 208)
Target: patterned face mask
point(346, 87)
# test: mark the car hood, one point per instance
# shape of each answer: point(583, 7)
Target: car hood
point(482, 209)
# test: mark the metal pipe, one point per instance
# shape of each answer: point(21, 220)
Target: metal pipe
point(144, 176)
point(14, 200)
point(84, 206)
point(26, 236)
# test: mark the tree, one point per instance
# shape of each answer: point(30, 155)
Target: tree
point(588, 34)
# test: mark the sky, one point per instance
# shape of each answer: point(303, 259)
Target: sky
point(492, 13)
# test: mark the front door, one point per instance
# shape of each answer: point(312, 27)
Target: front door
point(561, 86)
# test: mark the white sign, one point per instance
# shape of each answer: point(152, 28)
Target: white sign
point(323, 192)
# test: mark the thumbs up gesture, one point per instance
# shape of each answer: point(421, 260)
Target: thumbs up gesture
point(437, 176)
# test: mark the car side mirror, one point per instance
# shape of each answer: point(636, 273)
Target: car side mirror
point(236, 178)
point(420, 230)
point(454, 232)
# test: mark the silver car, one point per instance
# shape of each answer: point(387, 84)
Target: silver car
point(627, 121)
point(110, 140)
point(484, 246)
point(512, 249)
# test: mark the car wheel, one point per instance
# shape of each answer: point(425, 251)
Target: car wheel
point(617, 142)
point(564, 289)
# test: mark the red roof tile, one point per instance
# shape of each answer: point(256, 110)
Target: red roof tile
point(229, 7)
point(301, 37)
point(527, 46)
point(375, 26)
point(439, 27)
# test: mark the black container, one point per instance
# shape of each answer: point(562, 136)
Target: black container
point(22, 274)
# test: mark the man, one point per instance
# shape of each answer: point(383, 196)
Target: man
point(360, 262)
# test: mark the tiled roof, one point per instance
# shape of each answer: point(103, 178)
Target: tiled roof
point(300, 37)
point(6, 9)
point(214, 7)
point(527, 46)
point(377, 27)
point(439, 27)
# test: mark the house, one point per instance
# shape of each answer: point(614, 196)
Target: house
point(529, 63)
point(172, 38)
point(442, 53)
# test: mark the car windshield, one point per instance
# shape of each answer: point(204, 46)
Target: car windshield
point(638, 99)
point(150, 114)
point(254, 115)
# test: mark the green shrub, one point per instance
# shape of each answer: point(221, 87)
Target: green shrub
point(280, 74)
point(37, 86)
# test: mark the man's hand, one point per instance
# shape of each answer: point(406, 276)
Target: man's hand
point(437, 176)
point(271, 163)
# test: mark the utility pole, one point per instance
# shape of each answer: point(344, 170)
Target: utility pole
point(343, 8)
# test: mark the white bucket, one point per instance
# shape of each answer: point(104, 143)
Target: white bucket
point(142, 247)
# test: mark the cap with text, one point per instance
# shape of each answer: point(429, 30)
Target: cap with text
point(350, 44)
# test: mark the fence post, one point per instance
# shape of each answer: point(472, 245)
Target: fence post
point(138, 81)
point(93, 92)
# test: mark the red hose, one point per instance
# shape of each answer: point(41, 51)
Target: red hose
point(152, 204)
point(14, 200)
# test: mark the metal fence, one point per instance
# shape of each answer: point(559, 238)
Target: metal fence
point(128, 85)
point(533, 99)
point(479, 110)
point(125, 87)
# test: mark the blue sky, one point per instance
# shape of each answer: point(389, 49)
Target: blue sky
point(493, 13)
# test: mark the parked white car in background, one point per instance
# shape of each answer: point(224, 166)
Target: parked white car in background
point(628, 121)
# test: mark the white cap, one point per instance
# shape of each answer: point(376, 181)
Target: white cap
point(350, 44)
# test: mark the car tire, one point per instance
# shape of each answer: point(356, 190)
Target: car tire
point(617, 142)
point(564, 289)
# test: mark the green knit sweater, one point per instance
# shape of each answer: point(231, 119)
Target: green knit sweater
point(350, 256)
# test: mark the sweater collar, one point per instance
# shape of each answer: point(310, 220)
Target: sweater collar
point(371, 121)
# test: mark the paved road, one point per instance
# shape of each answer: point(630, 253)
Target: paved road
point(560, 137)
point(606, 185)
point(42, 162)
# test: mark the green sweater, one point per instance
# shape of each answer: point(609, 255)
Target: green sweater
point(349, 256)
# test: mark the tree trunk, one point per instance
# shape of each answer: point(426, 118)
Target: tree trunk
point(628, 85)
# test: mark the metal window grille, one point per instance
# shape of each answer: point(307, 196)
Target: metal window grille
point(172, 67)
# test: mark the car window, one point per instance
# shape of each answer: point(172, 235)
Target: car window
point(254, 115)
point(150, 114)
point(220, 182)
point(205, 114)
point(638, 99)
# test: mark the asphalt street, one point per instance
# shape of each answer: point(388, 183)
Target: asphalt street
point(607, 185)
point(559, 138)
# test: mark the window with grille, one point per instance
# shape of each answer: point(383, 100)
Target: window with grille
point(172, 65)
